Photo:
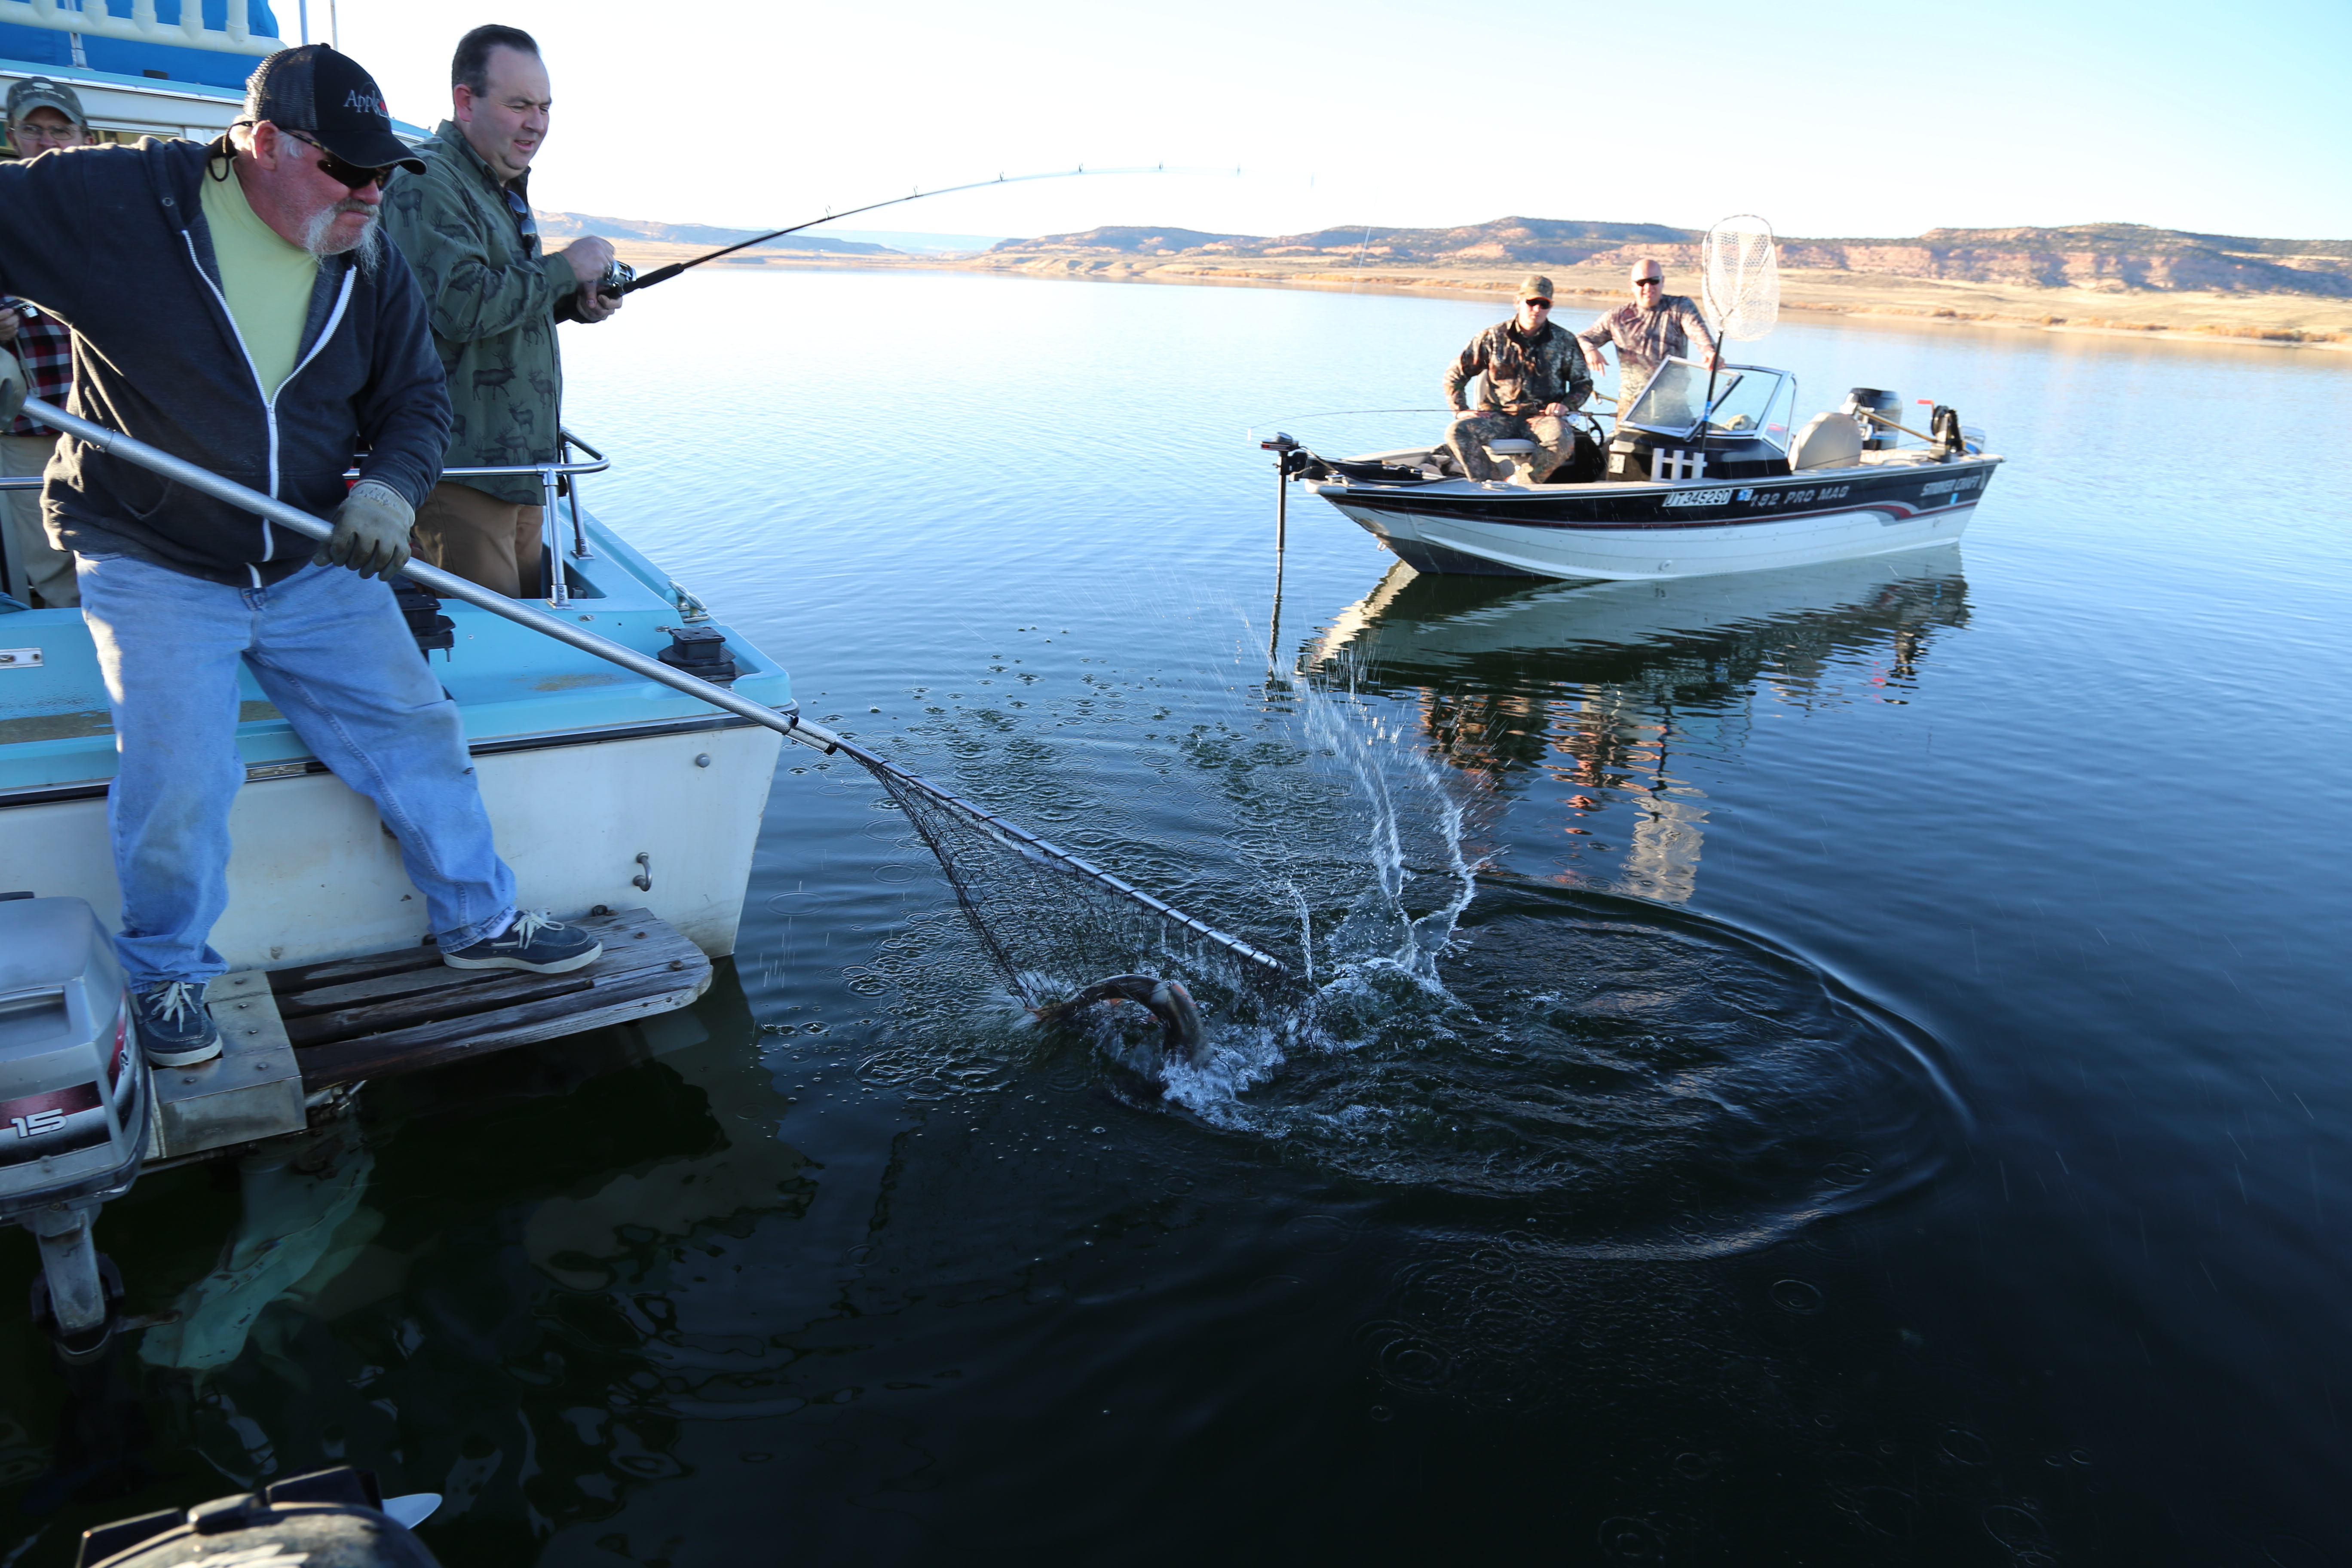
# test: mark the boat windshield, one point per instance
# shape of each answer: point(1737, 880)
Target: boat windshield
point(1676, 397)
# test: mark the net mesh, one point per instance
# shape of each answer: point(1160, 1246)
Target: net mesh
point(1052, 923)
point(1743, 278)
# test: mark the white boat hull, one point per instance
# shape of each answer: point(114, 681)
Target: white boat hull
point(314, 876)
point(1638, 554)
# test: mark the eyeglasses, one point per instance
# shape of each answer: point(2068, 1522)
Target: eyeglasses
point(1537, 304)
point(356, 176)
point(1649, 282)
point(27, 133)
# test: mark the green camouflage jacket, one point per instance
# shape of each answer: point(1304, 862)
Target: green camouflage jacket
point(494, 300)
point(1523, 372)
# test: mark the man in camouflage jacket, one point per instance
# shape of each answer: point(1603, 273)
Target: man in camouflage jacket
point(1535, 377)
point(465, 226)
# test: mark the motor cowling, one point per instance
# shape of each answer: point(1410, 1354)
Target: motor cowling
point(1862, 401)
point(73, 1114)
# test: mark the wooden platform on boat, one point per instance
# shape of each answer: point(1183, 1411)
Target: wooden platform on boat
point(288, 1034)
point(398, 1011)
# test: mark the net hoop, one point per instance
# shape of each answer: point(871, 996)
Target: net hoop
point(1742, 278)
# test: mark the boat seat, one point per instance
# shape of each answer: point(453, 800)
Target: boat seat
point(1827, 441)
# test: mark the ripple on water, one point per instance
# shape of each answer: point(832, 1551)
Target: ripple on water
point(1609, 1078)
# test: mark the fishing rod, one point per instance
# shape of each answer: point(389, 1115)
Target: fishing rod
point(629, 283)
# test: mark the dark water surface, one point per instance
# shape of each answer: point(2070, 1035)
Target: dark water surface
point(1845, 1066)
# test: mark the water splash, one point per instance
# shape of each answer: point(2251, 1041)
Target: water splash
point(1602, 1075)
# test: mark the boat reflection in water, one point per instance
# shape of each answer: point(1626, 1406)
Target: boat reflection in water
point(1605, 687)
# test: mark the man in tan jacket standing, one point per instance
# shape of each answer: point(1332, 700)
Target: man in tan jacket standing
point(465, 226)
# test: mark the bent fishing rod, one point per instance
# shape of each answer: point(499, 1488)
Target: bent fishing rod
point(786, 722)
point(632, 283)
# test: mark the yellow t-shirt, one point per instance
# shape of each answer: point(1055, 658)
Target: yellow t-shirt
point(267, 281)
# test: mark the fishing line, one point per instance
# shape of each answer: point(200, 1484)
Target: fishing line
point(631, 283)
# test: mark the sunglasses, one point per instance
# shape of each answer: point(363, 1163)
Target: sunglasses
point(1649, 282)
point(354, 177)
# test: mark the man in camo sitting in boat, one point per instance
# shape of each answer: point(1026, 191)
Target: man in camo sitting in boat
point(466, 227)
point(1656, 327)
point(1535, 378)
point(234, 304)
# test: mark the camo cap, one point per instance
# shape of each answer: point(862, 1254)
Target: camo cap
point(1536, 286)
point(324, 94)
point(40, 92)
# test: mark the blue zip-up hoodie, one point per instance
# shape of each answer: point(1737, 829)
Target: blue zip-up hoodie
point(112, 241)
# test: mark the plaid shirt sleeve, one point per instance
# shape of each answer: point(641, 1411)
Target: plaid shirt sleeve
point(46, 348)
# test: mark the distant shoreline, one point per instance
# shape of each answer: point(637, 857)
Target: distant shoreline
point(2262, 321)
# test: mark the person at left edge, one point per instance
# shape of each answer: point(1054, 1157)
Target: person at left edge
point(43, 117)
point(235, 305)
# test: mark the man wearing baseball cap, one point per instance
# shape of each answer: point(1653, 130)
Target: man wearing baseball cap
point(1535, 378)
point(235, 305)
point(42, 116)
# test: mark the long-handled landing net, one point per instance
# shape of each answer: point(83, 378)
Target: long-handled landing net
point(1064, 932)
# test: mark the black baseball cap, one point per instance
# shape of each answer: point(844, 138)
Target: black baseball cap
point(325, 95)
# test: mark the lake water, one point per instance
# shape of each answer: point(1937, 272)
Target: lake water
point(1841, 1067)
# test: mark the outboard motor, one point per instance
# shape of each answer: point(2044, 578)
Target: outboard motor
point(73, 1103)
point(1862, 400)
point(334, 1519)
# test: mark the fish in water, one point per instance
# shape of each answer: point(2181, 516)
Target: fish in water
point(1180, 1021)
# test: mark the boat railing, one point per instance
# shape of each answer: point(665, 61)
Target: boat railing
point(558, 478)
point(238, 37)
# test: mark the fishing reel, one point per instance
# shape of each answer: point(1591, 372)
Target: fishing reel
point(618, 278)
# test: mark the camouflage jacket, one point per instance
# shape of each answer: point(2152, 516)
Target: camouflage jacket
point(494, 300)
point(1647, 338)
point(1522, 373)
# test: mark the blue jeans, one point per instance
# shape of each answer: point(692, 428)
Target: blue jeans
point(330, 649)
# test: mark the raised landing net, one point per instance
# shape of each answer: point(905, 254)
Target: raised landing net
point(1054, 924)
point(1743, 278)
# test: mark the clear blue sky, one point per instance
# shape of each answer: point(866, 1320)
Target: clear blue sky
point(1828, 119)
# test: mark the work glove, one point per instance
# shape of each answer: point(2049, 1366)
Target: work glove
point(12, 387)
point(371, 531)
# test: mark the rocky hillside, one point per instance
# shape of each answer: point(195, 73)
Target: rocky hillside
point(2106, 257)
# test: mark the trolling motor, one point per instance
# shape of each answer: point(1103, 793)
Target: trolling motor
point(73, 1106)
point(1290, 459)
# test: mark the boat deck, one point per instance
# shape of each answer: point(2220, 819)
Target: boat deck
point(291, 1033)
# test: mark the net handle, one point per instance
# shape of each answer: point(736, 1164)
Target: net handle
point(448, 585)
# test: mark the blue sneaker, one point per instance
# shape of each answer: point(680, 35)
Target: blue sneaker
point(534, 943)
point(174, 1030)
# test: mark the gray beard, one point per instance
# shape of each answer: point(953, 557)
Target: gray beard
point(366, 252)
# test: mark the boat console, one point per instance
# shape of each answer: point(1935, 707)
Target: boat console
point(1691, 422)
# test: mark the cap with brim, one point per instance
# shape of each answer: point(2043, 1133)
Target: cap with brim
point(326, 96)
point(40, 92)
point(1536, 286)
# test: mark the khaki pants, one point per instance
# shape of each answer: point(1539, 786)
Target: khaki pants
point(34, 565)
point(481, 538)
point(1555, 439)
